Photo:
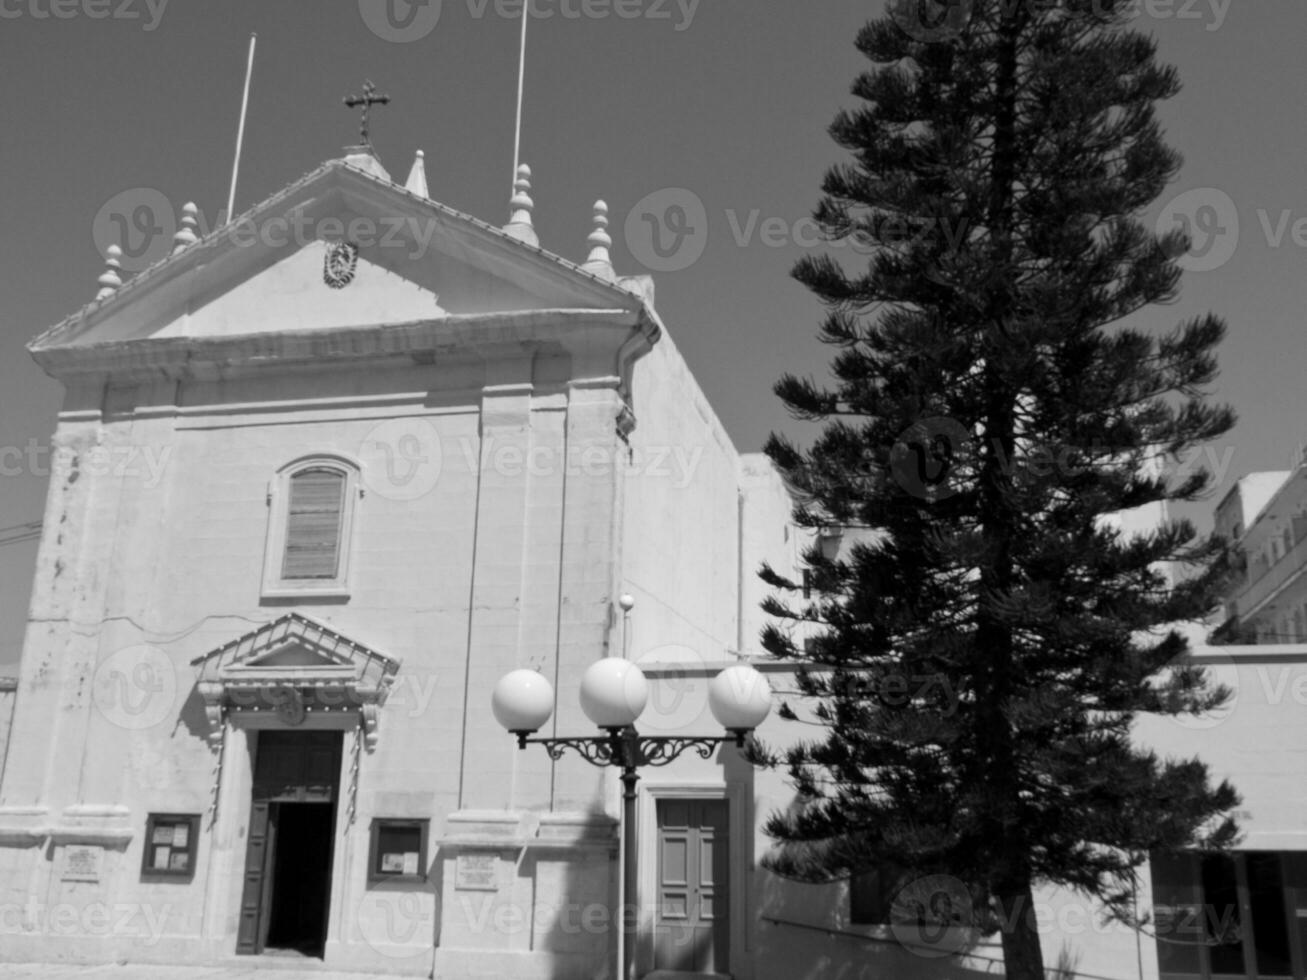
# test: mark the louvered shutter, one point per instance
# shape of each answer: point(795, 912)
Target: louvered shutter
point(313, 524)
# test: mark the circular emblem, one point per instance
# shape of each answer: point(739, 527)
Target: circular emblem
point(290, 706)
point(401, 21)
point(338, 266)
point(678, 689)
point(930, 21)
point(925, 457)
point(141, 222)
point(932, 917)
point(667, 231)
point(1220, 669)
point(402, 458)
point(136, 687)
point(398, 925)
point(1208, 218)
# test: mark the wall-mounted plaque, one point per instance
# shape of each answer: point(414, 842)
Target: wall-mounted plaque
point(477, 872)
point(82, 862)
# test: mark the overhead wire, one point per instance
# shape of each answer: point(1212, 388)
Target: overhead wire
point(20, 533)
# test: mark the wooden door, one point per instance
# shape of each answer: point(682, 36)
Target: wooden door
point(692, 927)
point(297, 767)
point(252, 930)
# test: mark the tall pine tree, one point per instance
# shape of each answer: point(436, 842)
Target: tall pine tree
point(976, 664)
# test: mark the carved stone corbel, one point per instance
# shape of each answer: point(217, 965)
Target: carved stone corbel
point(211, 693)
point(371, 715)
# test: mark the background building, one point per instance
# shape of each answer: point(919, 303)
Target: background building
point(1265, 516)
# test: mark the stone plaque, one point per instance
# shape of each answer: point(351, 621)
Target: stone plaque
point(82, 862)
point(477, 872)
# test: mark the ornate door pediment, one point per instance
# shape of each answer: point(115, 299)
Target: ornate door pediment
point(291, 667)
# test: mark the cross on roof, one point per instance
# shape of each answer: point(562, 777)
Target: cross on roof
point(366, 101)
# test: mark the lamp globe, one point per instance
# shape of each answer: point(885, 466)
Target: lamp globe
point(613, 692)
point(522, 701)
point(739, 698)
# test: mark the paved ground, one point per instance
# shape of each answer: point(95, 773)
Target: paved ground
point(262, 971)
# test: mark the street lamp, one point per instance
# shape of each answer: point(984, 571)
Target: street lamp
point(613, 694)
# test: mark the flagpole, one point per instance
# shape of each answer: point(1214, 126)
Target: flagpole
point(240, 131)
point(521, 76)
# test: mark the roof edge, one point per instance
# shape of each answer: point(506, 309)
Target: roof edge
point(636, 291)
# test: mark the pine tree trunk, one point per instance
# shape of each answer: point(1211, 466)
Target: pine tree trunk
point(1023, 959)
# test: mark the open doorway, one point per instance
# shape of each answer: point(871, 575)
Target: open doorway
point(285, 900)
point(300, 888)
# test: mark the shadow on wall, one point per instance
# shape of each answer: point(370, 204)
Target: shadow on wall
point(1066, 965)
point(804, 933)
point(192, 716)
point(572, 919)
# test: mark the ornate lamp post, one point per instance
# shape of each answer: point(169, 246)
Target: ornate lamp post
point(613, 694)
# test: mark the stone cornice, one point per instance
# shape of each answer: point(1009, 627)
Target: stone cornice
point(24, 826)
point(474, 337)
point(107, 825)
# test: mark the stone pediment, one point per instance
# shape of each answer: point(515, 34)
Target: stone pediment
point(290, 668)
point(293, 655)
point(343, 250)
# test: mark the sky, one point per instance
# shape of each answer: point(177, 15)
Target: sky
point(701, 121)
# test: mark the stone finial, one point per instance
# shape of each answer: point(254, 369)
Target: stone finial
point(599, 262)
point(417, 177)
point(187, 234)
point(110, 279)
point(519, 223)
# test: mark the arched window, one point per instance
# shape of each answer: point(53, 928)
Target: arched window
point(312, 505)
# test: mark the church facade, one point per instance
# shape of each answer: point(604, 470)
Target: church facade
point(314, 495)
point(255, 688)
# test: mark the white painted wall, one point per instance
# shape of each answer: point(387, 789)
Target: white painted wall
point(680, 518)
